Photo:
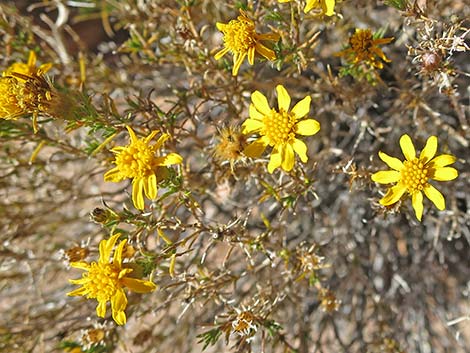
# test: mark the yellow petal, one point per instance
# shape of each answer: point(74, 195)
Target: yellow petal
point(417, 202)
point(118, 305)
point(82, 265)
point(329, 7)
point(407, 147)
point(150, 186)
point(132, 134)
point(221, 53)
point(161, 140)
point(442, 161)
point(106, 246)
point(265, 52)
point(151, 136)
point(117, 258)
point(255, 114)
point(435, 196)
point(251, 125)
point(238, 60)
point(256, 148)
point(429, 150)
point(301, 149)
point(169, 159)
point(77, 292)
point(393, 195)
point(445, 174)
point(251, 55)
point(302, 108)
point(114, 175)
point(386, 176)
point(260, 102)
point(101, 308)
point(283, 98)
point(137, 193)
point(310, 5)
point(275, 160)
point(288, 157)
point(392, 162)
point(138, 285)
point(307, 127)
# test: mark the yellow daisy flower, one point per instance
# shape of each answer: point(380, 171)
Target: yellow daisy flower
point(105, 280)
point(327, 6)
point(137, 161)
point(241, 39)
point(278, 128)
point(413, 174)
point(364, 49)
point(29, 68)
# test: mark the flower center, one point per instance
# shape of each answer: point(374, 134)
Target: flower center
point(137, 160)
point(239, 35)
point(278, 127)
point(102, 281)
point(361, 41)
point(414, 175)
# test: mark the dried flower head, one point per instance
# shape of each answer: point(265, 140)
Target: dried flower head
point(230, 146)
point(104, 280)
point(363, 48)
point(279, 128)
point(412, 175)
point(242, 40)
point(245, 323)
point(328, 300)
point(138, 161)
point(327, 7)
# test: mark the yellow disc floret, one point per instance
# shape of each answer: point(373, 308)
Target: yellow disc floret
point(102, 281)
point(239, 35)
point(137, 160)
point(278, 127)
point(414, 175)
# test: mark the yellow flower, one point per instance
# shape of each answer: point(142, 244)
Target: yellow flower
point(413, 174)
point(364, 49)
point(278, 128)
point(105, 280)
point(241, 39)
point(28, 69)
point(137, 161)
point(327, 6)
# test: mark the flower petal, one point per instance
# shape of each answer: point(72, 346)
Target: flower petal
point(82, 265)
point(251, 55)
point(329, 7)
point(117, 257)
point(386, 176)
point(251, 125)
point(260, 102)
point(301, 149)
point(392, 162)
point(118, 305)
point(161, 140)
point(302, 108)
point(150, 186)
point(106, 246)
point(288, 157)
point(169, 159)
point(255, 114)
point(307, 127)
point(265, 52)
point(221, 53)
point(442, 161)
point(137, 193)
point(445, 174)
point(77, 292)
point(138, 285)
point(114, 175)
point(435, 196)
point(417, 202)
point(283, 98)
point(132, 134)
point(407, 147)
point(101, 308)
point(275, 160)
point(393, 195)
point(237, 62)
point(256, 148)
point(429, 150)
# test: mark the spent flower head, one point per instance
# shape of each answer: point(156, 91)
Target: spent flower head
point(279, 128)
point(242, 40)
point(412, 176)
point(138, 161)
point(364, 49)
point(327, 7)
point(104, 280)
